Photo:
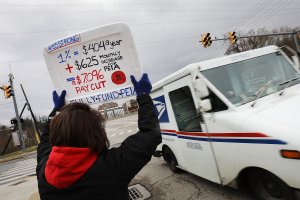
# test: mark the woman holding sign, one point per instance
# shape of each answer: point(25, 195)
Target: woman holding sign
point(74, 161)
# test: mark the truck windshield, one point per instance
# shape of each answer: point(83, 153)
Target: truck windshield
point(240, 82)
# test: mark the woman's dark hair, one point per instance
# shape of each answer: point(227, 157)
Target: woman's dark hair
point(77, 125)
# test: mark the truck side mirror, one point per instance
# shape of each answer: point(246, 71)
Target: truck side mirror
point(296, 61)
point(205, 105)
point(295, 57)
point(201, 88)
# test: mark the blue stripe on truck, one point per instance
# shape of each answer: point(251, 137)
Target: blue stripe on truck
point(229, 140)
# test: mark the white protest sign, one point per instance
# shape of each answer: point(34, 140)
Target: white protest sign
point(94, 66)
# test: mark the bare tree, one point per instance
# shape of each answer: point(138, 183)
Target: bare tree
point(245, 44)
point(3, 127)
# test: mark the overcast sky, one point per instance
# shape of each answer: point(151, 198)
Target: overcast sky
point(166, 34)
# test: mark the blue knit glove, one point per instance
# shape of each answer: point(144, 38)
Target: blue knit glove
point(59, 101)
point(143, 86)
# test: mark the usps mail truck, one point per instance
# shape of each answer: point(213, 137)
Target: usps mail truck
point(235, 120)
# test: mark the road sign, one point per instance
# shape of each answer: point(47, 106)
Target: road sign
point(16, 139)
point(94, 66)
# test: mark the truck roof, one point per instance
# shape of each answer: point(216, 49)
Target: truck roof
point(216, 62)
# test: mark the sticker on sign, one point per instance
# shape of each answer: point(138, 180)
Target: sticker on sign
point(94, 66)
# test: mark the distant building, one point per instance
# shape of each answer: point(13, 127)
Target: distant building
point(111, 110)
point(107, 105)
point(130, 106)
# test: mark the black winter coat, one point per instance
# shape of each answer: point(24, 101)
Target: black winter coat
point(110, 174)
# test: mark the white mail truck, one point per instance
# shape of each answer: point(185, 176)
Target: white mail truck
point(235, 120)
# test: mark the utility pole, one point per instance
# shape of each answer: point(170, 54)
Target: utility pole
point(296, 42)
point(37, 132)
point(15, 127)
point(20, 132)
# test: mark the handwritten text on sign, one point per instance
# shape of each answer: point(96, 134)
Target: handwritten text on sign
point(93, 70)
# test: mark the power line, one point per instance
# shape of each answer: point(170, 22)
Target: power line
point(121, 11)
point(71, 3)
point(245, 18)
point(214, 49)
point(291, 24)
point(266, 13)
point(273, 13)
point(80, 5)
point(20, 60)
point(137, 24)
point(174, 39)
point(142, 43)
point(275, 6)
point(7, 103)
point(135, 4)
point(254, 13)
point(248, 15)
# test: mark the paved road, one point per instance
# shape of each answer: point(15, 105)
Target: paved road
point(164, 184)
point(155, 176)
point(119, 129)
point(15, 170)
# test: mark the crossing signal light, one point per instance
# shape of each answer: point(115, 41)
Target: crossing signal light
point(232, 37)
point(206, 40)
point(14, 121)
point(7, 91)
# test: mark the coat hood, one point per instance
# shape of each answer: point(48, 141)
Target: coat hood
point(68, 164)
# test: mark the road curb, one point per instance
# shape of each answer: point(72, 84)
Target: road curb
point(15, 157)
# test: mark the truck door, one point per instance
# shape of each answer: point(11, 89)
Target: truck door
point(194, 145)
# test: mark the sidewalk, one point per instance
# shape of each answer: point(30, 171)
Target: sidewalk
point(25, 189)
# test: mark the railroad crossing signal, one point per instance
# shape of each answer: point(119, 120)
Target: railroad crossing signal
point(232, 37)
point(206, 40)
point(7, 91)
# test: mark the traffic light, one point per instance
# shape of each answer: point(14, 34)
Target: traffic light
point(7, 91)
point(14, 121)
point(206, 40)
point(232, 37)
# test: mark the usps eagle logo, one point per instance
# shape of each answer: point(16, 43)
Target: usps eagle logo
point(161, 108)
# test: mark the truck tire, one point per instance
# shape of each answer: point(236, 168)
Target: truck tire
point(171, 160)
point(266, 186)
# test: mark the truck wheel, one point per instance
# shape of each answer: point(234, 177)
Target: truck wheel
point(267, 186)
point(171, 160)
